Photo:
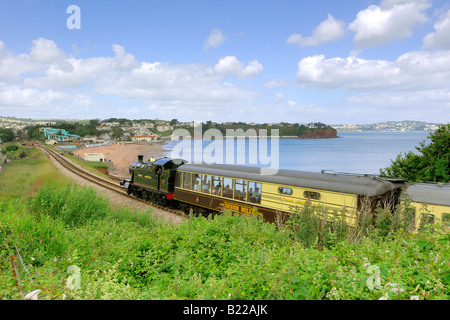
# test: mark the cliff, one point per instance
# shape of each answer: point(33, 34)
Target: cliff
point(319, 133)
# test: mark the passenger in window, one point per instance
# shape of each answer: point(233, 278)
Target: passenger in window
point(216, 190)
point(250, 191)
point(227, 192)
point(197, 186)
point(257, 195)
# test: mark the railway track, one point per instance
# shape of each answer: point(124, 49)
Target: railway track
point(104, 183)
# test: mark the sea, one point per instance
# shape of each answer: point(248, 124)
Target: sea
point(351, 152)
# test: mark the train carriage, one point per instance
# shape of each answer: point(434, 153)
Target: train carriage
point(430, 202)
point(212, 188)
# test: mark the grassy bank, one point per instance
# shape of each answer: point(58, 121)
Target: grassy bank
point(70, 243)
point(23, 175)
point(94, 167)
point(123, 254)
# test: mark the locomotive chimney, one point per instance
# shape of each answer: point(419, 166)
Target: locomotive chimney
point(140, 158)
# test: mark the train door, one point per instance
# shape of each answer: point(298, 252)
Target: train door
point(158, 175)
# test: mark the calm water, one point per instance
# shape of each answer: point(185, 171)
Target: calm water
point(356, 152)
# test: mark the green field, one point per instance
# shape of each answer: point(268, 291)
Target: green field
point(70, 243)
point(22, 176)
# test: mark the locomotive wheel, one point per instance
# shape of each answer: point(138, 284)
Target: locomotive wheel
point(163, 200)
point(152, 197)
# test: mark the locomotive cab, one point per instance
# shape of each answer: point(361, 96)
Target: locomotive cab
point(153, 180)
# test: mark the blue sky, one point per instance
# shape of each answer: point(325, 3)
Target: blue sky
point(254, 61)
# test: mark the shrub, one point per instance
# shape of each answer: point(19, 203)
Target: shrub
point(431, 164)
point(73, 205)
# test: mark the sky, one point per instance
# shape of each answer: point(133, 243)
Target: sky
point(337, 62)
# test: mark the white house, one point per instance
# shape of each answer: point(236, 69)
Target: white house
point(51, 142)
point(94, 157)
point(144, 137)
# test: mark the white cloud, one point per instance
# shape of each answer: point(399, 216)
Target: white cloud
point(404, 104)
point(392, 20)
point(383, 89)
point(123, 60)
point(109, 86)
point(46, 51)
point(71, 73)
point(273, 84)
point(328, 30)
point(230, 65)
point(348, 73)
point(441, 38)
point(215, 39)
point(14, 96)
point(419, 70)
point(11, 66)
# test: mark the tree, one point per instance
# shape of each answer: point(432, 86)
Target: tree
point(431, 164)
point(94, 123)
point(6, 135)
point(117, 132)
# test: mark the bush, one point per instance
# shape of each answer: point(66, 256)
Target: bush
point(12, 148)
point(73, 205)
point(126, 254)
point(431, 164)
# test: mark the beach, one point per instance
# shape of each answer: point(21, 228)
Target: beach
point(122, 155)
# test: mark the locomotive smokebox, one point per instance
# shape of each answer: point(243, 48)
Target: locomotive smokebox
point(140, 158)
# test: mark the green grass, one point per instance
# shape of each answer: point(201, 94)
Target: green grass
point(91, 166)
point(122, 253)
point(21, 177)
point(125, 254)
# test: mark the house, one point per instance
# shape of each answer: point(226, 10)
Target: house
point(51, 142)
point(161, 128)
point(144, 137)
point(105, 136)
point(94, 157)
point(88, 138)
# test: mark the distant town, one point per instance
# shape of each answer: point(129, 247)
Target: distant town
point(400, 126)
point(144, 130)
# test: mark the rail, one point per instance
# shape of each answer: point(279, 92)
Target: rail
point(115, 187)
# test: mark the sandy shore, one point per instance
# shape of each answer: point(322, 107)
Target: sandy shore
point(122, 155)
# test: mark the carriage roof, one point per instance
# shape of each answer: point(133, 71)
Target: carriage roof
point(339, 182)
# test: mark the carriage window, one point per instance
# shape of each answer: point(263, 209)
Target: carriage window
point(283, 190)
point(187, 181)
point(227, 188)
point(240, 189)
point(217, 186)
point(179, 179)
point(206, 183)
point(311, 195)
point(427, 219)
point(254, 192)
point(196, 179)
point(446, 219)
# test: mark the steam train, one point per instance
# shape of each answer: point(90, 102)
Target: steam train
point(210, 188)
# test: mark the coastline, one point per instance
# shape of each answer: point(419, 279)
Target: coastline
point(122, 155)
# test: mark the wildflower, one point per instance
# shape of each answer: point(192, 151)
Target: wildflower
point(40, 241)
point(384, 297)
